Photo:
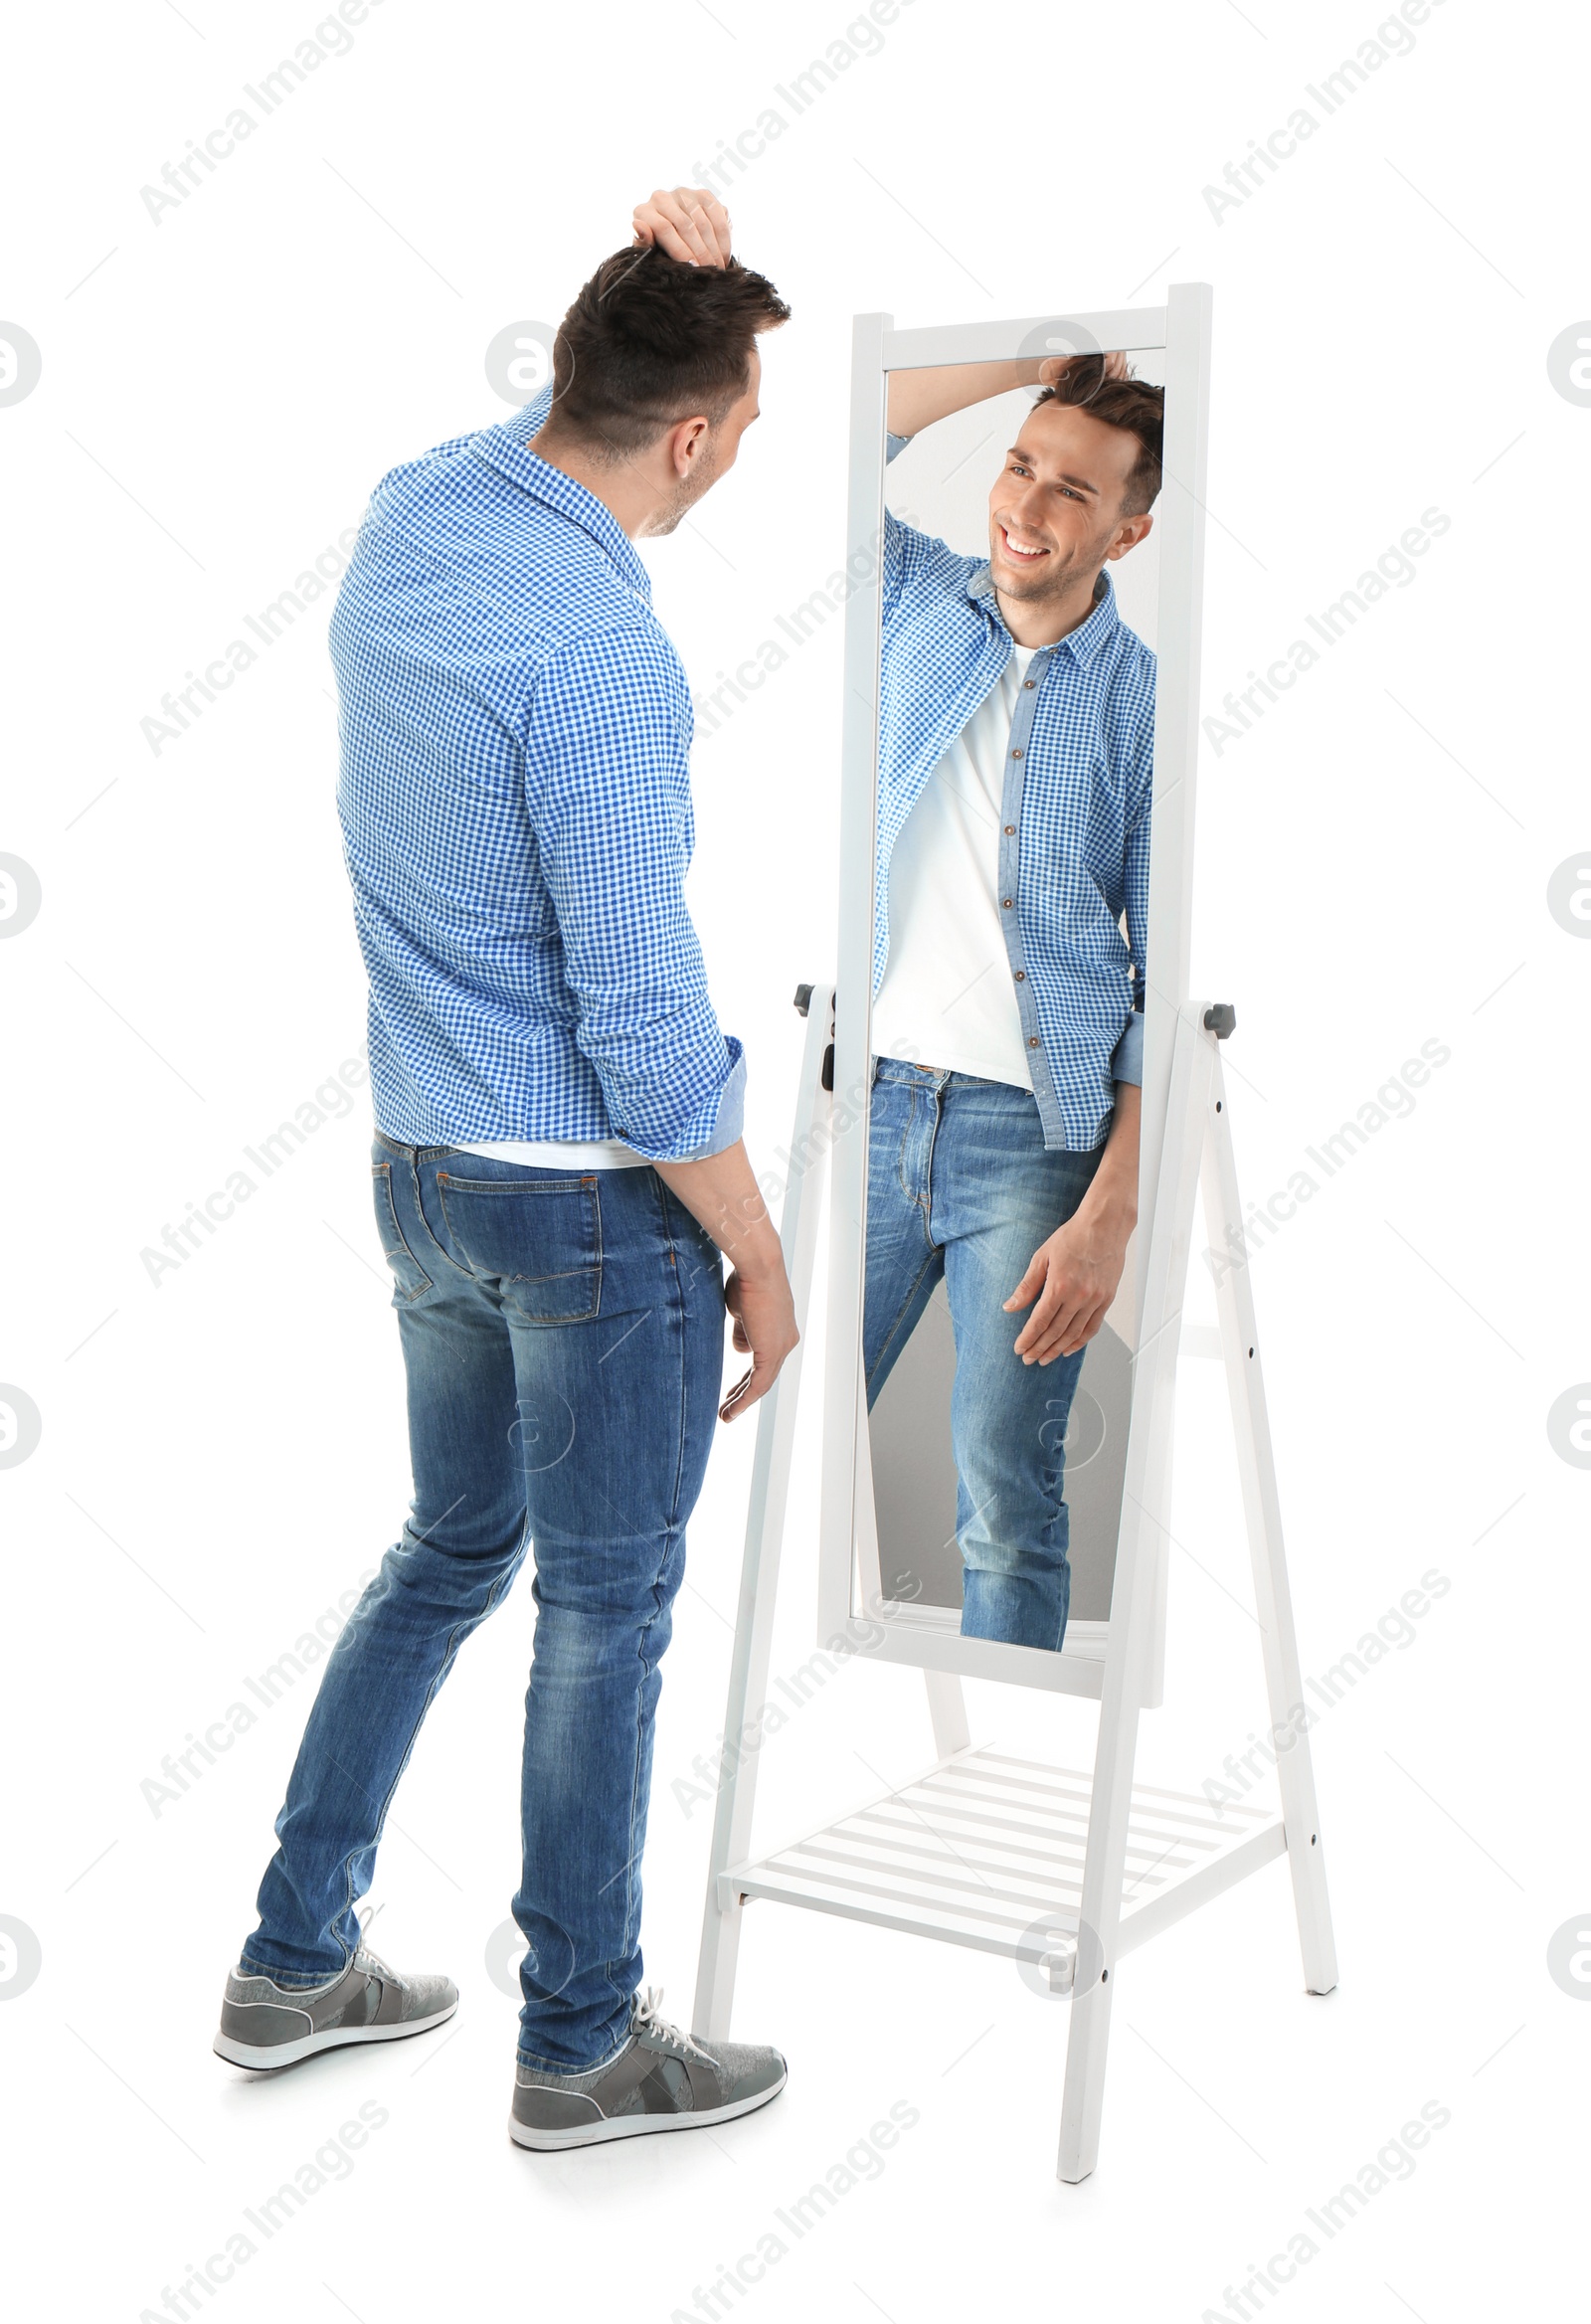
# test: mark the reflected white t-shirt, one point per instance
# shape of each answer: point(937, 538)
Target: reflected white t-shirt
point(948, 998)
point(564, 1154)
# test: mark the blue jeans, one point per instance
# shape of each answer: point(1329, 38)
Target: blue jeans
point(563, 1336)
point(960, 1184)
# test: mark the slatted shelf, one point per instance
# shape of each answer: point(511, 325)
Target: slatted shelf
point(986, 1851)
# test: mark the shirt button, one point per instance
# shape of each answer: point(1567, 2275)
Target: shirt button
point(1010, 826)
point(1027, 685)
point(1017, 754)
point(1032, 1040)
point(1021, 975)
point(1005, 903)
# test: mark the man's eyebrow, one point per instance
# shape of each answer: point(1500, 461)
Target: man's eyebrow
point(1079, 483)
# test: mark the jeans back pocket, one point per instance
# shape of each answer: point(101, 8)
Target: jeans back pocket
point(540, 1238)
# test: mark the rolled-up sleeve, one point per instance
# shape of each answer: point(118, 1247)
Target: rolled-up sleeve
point(606, 744)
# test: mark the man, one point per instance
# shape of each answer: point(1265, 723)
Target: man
point(1016, 744)
point(557, 1167)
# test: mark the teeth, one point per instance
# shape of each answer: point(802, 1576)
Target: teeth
point(1015, 551)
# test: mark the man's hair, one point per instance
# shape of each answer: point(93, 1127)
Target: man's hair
point(1129, 403)
point(651, 340)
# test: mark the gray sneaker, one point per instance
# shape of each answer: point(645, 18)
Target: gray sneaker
point(661, 2080)
point(264, 2025)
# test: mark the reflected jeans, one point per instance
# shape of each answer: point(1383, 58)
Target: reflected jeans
point(563, 1338)
point(960, 1184)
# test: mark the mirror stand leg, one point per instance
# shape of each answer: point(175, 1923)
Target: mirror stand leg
point(947, 1709)
point(715, 1977)
point(1083, 2101)
point(1263, 1518)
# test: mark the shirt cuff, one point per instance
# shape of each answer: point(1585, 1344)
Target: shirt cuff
point(1126, 1064)
point(894, 444)
point(716, 1123)
point(729, 1122)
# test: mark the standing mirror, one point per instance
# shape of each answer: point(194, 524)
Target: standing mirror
point(1009, 968)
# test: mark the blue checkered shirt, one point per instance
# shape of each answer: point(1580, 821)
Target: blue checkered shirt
point(516, 816)
point(1078, 786)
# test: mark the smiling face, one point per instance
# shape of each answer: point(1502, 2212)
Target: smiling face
point(1055, 510)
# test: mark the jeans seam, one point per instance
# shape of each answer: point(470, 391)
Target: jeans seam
point(380, 1175)
point(671, 1238)
point(933, 1141)
point(677, 1308)
point(895, 1320)
point(447, 1257)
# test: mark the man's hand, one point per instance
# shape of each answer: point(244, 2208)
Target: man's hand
point(720, 1192)
point(1053, 366)
point(1076, 1274)
point(1073, 1277)
point(765, 1329)
point(689, 224)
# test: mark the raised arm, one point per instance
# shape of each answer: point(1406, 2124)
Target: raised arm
point(916, 399)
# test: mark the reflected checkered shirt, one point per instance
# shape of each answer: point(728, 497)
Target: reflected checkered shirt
point(516, 816)
point(1079, 781)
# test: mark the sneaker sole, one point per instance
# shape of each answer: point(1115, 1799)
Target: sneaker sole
point(278, 2054)
point(635, 2125)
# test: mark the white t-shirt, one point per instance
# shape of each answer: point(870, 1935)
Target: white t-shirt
point(948, 998)
point(564, 1154)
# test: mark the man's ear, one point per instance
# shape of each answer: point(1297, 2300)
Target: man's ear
point(686, 443)
point(1128, 533)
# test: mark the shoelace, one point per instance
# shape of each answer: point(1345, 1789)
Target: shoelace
point(364, 1959)
point(649, 2016)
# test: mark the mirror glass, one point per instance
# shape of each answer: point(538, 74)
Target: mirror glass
point(1009, 939)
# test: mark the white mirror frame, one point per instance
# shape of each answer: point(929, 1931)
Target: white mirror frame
point(930, 1639)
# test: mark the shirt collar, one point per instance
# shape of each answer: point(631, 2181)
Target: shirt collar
point(1085, 640)
point(505, 448)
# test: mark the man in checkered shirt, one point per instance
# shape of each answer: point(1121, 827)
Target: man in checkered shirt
point(557, 1173)
point(1015, 785)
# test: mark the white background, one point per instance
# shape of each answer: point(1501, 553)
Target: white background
point(222, 1455)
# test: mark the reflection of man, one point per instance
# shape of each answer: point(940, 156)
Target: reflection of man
point(557, 1167)
point(1017, 719)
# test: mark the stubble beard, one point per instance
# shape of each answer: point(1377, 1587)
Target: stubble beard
point(1057, 581)
point(688, 491)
